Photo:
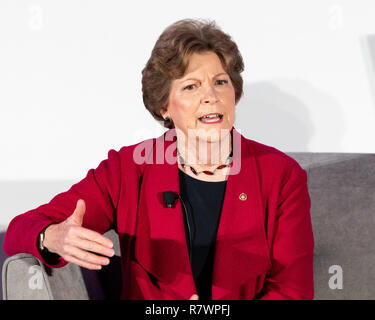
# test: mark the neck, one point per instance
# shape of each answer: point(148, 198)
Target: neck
point(204, 154)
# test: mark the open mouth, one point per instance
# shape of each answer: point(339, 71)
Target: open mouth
point(211, 118)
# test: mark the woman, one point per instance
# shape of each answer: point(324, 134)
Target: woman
point(201, 212)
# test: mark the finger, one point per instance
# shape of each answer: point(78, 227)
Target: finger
point(88, 234)
point(93, 246)
point(79, 212)
point(194, 297)
point(87, 265)
point(87, 256)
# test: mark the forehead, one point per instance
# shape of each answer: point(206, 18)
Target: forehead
point(207, 61)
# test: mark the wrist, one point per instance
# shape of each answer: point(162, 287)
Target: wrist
point(45, 238)
point(44, 247)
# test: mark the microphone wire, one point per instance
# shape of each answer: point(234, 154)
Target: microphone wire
point(189, 229)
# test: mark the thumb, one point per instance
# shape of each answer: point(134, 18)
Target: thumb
point(79, 212)
point(194, 297)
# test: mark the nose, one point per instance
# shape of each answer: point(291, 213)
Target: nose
point(209, 95)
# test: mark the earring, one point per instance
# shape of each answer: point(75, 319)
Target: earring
point(167, 118)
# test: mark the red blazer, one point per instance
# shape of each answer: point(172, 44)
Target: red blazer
point(264, 246)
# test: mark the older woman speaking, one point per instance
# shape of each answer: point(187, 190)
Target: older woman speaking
point(201, 211)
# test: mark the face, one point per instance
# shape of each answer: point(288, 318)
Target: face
point(203, 98)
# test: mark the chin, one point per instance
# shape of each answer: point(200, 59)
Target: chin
point(214, 133)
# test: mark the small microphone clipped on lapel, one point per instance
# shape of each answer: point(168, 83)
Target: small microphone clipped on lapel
point(169, 198)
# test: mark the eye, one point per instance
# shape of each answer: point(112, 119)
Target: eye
point(189, 87)
point(222, 81)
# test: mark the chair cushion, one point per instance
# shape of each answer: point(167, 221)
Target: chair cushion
point(342, 191)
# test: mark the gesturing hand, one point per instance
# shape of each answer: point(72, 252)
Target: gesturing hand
point(77, 244)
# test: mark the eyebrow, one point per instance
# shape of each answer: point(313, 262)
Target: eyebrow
point(221, 73)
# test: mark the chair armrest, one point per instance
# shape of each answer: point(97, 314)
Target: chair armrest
point(25, 277)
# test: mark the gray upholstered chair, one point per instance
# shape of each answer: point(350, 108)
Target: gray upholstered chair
point(26, 278)
point(342, 190)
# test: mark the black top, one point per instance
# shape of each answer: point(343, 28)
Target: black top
point(203, 201)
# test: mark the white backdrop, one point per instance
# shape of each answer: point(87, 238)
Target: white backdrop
point(70, 77)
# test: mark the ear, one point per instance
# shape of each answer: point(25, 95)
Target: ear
point(164, 113)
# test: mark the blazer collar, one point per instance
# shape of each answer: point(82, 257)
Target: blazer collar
point(241, 251)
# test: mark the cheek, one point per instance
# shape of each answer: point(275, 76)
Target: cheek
point(179, 102)
point(232, 95)
point(230, 99)
point(181, 110)
point(230, 103)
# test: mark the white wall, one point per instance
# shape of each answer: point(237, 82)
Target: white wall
point(70, 77)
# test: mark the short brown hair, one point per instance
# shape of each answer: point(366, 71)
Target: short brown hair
point(170, 58)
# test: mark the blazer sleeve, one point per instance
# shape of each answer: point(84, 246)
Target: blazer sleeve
point(100, 191)
point(292, 249)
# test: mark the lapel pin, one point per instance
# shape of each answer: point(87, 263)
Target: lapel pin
point(243, 196)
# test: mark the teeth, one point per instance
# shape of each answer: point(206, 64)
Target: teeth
point(215, 115)
point(211, 117)
point(211, 120)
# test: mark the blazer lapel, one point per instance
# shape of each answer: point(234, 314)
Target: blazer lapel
point(161, 246)
point(241, 252)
